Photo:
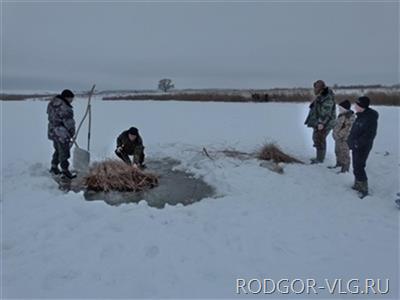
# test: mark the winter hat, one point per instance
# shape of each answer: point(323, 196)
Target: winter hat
point(67, 94)
point(320, 84)
point(363, 102)
point(133, 131)
point(345, 104)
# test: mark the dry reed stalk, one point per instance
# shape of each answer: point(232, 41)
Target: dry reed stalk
point(114, 175)
point(272, 152)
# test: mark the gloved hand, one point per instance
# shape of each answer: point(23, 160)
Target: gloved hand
point(119, 149)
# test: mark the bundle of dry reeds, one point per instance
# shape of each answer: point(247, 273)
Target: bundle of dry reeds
point(272, 152)
point(114, 175)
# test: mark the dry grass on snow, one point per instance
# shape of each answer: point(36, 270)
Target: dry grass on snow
point(273, 153)
point(114, 175)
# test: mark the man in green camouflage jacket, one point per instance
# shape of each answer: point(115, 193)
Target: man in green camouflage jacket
point(321, 118)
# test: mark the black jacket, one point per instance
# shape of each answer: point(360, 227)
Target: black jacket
point(364, 129)
point(127, 145)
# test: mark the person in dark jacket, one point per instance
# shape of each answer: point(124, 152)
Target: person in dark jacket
point(61, 129)
point(130, 142)
point(360, 142)
point(321, 118)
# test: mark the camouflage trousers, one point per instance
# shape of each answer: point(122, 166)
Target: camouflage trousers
point(319, 138)
point(61, 155)
point(342, 152)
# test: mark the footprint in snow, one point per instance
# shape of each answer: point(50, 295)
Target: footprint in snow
point(209, 228)
point(59, 277)
point(6, 246)
point(38, 169)
point(152, 251)
point(110, 250)
point(115, 228)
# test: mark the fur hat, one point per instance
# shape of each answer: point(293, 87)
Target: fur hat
point(345, 104)
point(363, 102)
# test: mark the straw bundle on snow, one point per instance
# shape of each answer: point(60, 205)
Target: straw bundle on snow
point(114, 175)
point(272, 152)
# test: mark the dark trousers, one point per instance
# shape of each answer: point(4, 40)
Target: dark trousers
point(138, 156)
point(319, 138)
point(360, 157)
point(61, 155)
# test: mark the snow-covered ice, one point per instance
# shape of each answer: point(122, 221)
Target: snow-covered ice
point(307, 223)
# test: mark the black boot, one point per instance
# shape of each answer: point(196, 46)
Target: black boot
point(68, 175)
point(363, 191)
point(54, 170)
point(320, 157)
point(356, 185)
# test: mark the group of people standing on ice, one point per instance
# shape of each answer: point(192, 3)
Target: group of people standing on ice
point(353, 132)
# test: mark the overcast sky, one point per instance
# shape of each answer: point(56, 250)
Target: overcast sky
point(198, 45)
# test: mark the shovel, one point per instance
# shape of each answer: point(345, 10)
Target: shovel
point(81, 157)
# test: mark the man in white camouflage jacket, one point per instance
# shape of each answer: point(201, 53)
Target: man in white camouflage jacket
point(61, 130)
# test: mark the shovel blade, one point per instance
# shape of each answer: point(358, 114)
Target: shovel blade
point(81, 159)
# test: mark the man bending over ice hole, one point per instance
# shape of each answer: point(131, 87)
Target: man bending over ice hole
point(129, 142)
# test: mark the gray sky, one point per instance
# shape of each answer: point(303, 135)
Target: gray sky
point(198, 45)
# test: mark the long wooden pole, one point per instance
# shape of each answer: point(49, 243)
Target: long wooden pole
point(84, 117)
point(90, 117)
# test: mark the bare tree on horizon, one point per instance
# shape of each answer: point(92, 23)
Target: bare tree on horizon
point(165, 85)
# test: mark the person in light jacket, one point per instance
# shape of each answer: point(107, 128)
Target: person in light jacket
point(341, 132)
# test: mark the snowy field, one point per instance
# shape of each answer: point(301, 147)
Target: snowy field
point(307, 223)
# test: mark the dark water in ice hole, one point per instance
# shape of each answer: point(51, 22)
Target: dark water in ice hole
point(174, 187)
